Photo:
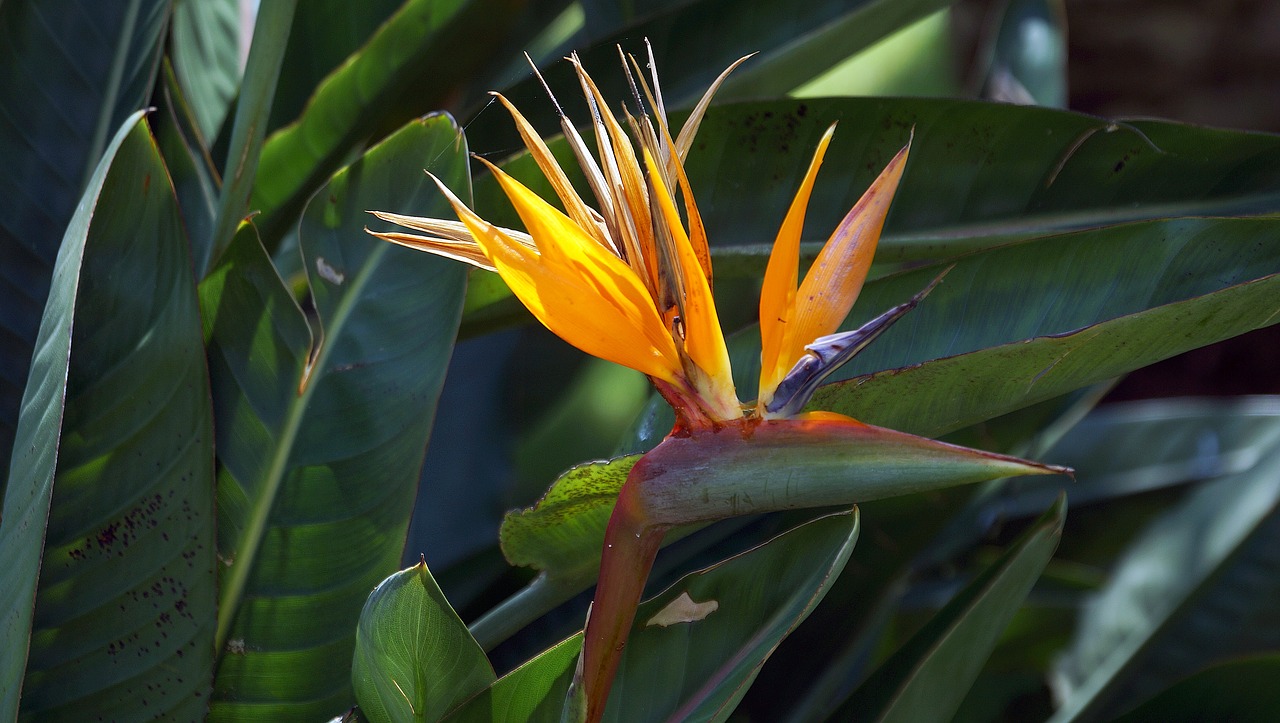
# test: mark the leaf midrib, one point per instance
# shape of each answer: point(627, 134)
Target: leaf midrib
point(238, 576)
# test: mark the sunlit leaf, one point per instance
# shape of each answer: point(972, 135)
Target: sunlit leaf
point(414, 658)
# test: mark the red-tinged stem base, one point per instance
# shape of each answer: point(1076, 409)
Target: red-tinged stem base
point(630, 546)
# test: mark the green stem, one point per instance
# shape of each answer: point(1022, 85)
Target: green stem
point(513, 614)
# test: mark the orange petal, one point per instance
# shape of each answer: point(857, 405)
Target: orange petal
point(836, 277)
point(778, 293)
point(576, 287)
point(704, 341)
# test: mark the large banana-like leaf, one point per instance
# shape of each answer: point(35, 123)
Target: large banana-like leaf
point(1056, 313)
point(73, 73)
point(324, 33)
point(693, 42)
point(320, 457)
point(123, 622)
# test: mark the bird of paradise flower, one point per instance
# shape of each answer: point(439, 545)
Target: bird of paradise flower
point(630, 281)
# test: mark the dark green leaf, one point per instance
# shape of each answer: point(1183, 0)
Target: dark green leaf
point(123, 622)
point(1242, 691)
point(693, 42)
point(26, 502)
point(414, 658)
point(194, 178)
point(1199, 583)
point(980, 174)
point(317, 481)
point(929, 676)
point(949, 393)
point(73, 73)
point(206, 55)
point(1183, 441)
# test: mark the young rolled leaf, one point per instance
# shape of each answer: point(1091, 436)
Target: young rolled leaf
point(414, 658)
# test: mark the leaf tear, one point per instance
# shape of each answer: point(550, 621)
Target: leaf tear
point(683, 610)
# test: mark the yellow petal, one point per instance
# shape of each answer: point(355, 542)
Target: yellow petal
point(697, 232)
point(573, 203)
point(836, 277)
point(703, 339)
point(622, 168)
point(575, 287)
point(778, 292)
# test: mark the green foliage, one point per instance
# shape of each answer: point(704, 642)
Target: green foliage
point(414, 658)
point(217, 391)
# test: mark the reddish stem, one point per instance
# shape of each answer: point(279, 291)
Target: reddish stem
point(630, 545)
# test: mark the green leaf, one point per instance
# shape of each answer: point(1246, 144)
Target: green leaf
point(249, 127)
point(205, 44)
point(741, 609)
point(697, 669)
point(76, 72)
point(414, 658)
point(568, 521)
point(324, 33)
point(123, 620)
point(433, 43)
point(929, 676)
point(1198, 584)
point(917, 60)
point(1183, 440)
point(820, 662)
point(948, 393)
point(318, 473)
point(980, 176)
point(26, 502)
point(1243, 691)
